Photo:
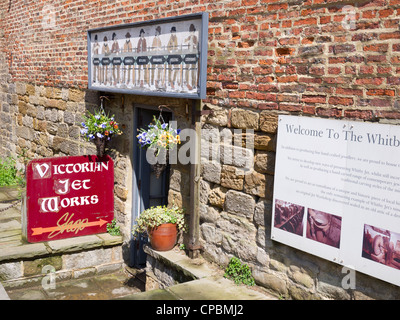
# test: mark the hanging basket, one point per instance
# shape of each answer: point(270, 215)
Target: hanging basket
point(100, 146)
point(159, 168)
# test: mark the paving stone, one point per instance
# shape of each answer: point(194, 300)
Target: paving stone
point(222, 289)
point(158, 294)
point(75, 244)
point(25, 251)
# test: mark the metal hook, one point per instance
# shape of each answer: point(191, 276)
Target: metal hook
point(160, 107)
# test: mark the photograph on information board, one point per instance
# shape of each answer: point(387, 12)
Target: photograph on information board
point(289, 217)
point(381, 245)
point(324, 227)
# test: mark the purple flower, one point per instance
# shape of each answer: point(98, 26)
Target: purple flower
point(99, 135)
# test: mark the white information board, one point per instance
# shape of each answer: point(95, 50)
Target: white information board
point(337, 192)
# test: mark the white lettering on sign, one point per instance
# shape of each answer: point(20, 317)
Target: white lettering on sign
point(53, 204)
point(65, 184)
point(80, 167)
point(42, 170)
point(49, 204)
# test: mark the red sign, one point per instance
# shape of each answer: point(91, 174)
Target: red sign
point(69, 197)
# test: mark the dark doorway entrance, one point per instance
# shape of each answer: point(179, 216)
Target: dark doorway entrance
point(148, 191)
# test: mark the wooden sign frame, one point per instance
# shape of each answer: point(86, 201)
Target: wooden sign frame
point(164, 57)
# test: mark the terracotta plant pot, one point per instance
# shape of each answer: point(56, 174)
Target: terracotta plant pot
point(163, 237)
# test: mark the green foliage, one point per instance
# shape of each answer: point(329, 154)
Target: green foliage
point(9, 175)
point(156, 216)
point(113, 229)
point(238, 272)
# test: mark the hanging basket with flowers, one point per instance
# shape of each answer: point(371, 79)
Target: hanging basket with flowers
point(99, 128)
point(159, 137)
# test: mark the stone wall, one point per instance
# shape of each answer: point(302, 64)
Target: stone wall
point(318, 58)
point(66, 259)
point(48, 123)
point(236, 213)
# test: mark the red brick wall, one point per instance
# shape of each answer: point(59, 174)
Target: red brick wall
point(292, 56)
point(299, 56)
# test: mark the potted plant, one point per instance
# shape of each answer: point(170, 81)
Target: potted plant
point(162, 225)
point(159, 137)
point(99, 128)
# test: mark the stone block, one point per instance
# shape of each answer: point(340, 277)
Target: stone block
point(270, 281)
point(240, 203)
point(11, 270)
point(265, 141)
point(244, 119)
point(236, 227)
point(217, 196)
point(209, 150)
point(211, 234)
point(254, 183)
point(86, 259)
point(245, 249)
point(176, 198)
point(35, 267)
point(236, 156)
point(205, 189)
point(20, 88)
point(25, 133)
point(25, 251)
point(300, 276)
point(74, 244)
point(211, 171)
point(76, 95)
point(263, 212)
point(219, 117)
point(179, 181)
point(30, 89)
point(264, 162)
point(210, 133)
point(232, 177)
point(268, 122)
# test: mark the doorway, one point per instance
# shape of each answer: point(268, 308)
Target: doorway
point(148, 191)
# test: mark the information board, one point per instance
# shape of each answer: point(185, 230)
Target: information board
point(337, 192)
point(68, 197)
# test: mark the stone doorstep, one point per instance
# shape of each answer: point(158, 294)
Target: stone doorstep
point(193, 268)
point(36, 250)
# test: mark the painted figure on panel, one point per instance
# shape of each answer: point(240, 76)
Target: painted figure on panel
point(143, 75)
point(127, 67)
point(157, 69)
point(105, 51)
point(191, 69)
point(96, 67)
point(172, 47)
point(116, 65)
